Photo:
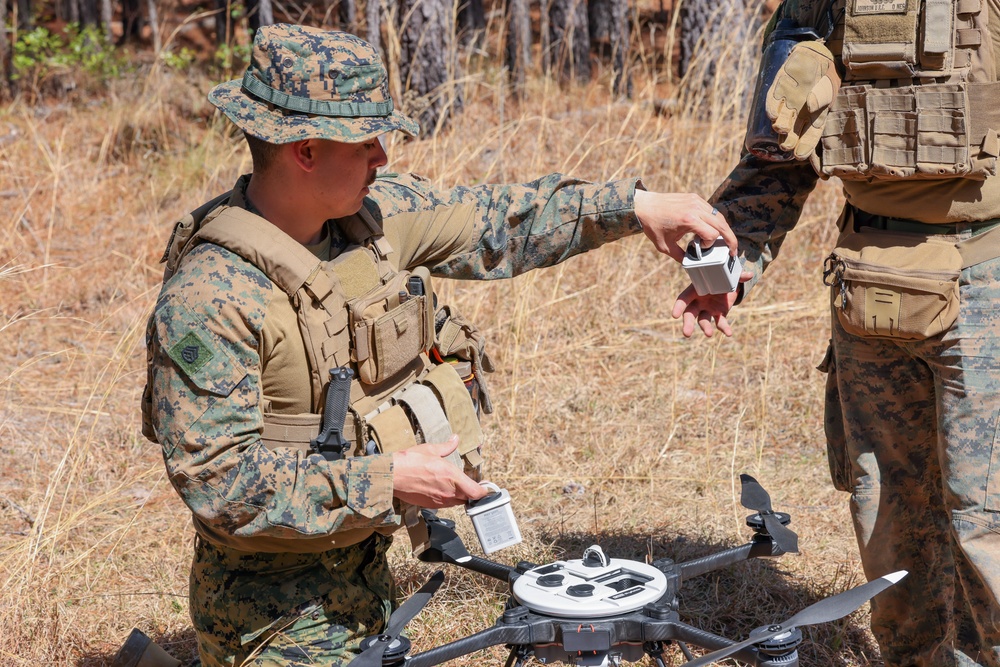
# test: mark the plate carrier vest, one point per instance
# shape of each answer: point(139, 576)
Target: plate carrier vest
point(920, 98)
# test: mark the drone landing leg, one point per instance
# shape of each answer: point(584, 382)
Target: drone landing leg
point(517, 657)
point(686, 651)
point(655, 651)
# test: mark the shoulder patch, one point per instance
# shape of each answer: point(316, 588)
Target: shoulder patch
point(190, 353)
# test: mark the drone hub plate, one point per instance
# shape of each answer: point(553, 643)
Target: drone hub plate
point(573, 589)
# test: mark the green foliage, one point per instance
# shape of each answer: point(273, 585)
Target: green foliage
point(179, 60)
point(230, 57)
point(39, 53)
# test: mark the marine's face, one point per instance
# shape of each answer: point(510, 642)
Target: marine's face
point(346, 171)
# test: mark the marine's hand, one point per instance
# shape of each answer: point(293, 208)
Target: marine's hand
point(667, 217)
point(707, 312)
point(422, 476)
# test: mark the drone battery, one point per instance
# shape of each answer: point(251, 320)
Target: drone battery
point(712, 270)
point(493, 519)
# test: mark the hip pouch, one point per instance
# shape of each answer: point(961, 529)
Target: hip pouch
point(896, 285)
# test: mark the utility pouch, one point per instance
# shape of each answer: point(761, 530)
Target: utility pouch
point(895, 285)
point(453, 396)
point(457, 337)
point(922, 132)
point(390, 327)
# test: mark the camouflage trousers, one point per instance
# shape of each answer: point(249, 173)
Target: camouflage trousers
point(285, 610)
point(912, 431)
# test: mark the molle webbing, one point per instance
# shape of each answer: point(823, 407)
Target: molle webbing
point(929, 131)
point(299, 274)
point(906, 39)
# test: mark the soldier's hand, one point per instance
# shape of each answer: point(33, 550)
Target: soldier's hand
point(423, 476)
point(707, 312)
point(667, 217)
point(800, 97)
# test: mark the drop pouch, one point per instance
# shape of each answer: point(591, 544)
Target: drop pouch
point(896, 285)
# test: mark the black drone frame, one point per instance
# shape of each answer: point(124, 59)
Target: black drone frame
point(610, 640)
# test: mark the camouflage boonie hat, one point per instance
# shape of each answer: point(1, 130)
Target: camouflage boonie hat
point(306, 83)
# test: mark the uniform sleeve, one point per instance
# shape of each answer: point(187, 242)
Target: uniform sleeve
point(205, 384)
point(762, 201)
point(499, 231)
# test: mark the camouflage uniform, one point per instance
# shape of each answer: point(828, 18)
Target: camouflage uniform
point(911, 425)
point(271, 582)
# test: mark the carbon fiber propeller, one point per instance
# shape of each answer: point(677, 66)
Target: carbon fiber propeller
point(824, 611)
point(372, 656)
point(754, 497)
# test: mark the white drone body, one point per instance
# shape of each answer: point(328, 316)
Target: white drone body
point(594, 586)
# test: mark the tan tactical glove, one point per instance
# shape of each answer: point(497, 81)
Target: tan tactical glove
point(800, 97)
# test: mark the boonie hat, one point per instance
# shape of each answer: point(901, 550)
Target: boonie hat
point(306, 83)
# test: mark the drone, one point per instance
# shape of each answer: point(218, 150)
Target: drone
point(596, 611)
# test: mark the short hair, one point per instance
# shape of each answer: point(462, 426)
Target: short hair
point(261, 152)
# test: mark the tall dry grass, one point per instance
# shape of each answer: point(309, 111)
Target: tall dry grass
point(611, 428)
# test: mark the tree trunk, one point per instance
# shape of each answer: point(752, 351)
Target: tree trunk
point(154, 25)
point(24, 19)
point(518, 46)
point(131, 21)
point(620, 38)
point(545, 35)
point(5, 53)
point(88, 12)
point(570, 39)
point(373, 24)
point(259, 13)
point(347, 15)
point(106, 15)
point(599, 19)
point(471, 22)
point(223, 22)
point(428, 63)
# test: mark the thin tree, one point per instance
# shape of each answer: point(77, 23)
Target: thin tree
point(347, 15)
point(620, 37)
point(570, 39)
point(518, 44)
point(428, 63)
point(373, 24)
point(5, 52)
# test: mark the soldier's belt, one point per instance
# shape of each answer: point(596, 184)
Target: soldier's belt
point(883, 222)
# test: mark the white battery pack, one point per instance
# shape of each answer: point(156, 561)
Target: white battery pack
point(712, 270)
point(493, 519)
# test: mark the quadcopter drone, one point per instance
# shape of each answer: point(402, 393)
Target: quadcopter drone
point(599, 611)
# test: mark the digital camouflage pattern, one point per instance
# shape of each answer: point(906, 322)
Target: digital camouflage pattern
point(224, 345)
point(264, 609)
point(207, 404)
point(912, 429)
point(305, 83)
point(911, 426)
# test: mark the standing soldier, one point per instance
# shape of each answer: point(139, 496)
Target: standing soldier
point(306, 392)
point(913, 384)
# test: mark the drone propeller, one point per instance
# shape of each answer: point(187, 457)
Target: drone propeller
point(824, 611)
point(754, 497)
point(372, 656)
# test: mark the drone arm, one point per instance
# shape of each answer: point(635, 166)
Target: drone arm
point(706, 640)
point(520, 634)
point(762, 546)
point(705, 564)
point(490, 568)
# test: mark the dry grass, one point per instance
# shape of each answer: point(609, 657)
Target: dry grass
point(610, 426)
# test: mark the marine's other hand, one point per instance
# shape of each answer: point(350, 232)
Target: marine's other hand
point(707, 312)
point(423, 476)
point(667, 217)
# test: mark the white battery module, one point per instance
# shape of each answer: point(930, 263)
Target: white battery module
point(493, 519)
point(712, 270)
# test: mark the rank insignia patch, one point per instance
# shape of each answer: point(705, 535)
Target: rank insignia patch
point(191, 354)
